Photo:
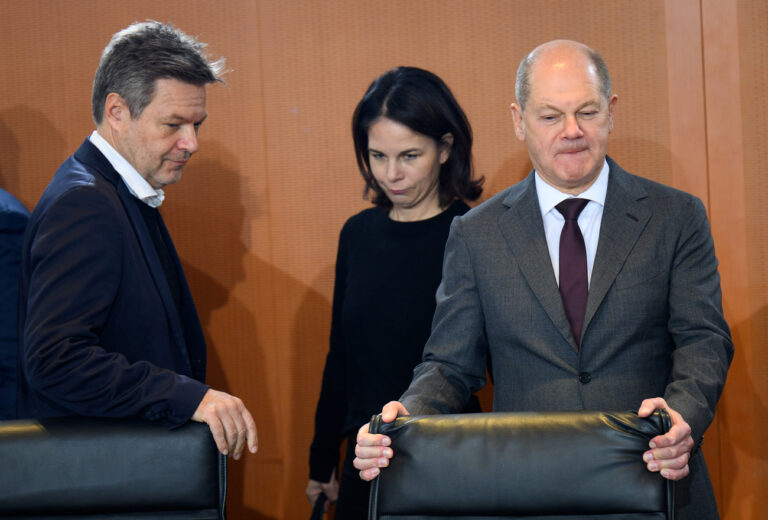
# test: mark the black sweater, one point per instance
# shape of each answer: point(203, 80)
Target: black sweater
point(387, 273)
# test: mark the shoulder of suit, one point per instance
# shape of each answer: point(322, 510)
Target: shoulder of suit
point(77, 184)
point(656, 192)
point(495, 206)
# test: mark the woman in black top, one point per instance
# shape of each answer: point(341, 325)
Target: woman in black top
point(413, 146)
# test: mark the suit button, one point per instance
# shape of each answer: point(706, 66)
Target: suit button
point(585, 378)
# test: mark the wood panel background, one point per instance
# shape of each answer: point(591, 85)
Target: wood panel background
point(257, 215)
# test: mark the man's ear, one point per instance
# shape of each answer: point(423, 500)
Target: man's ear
point(445, 145)
point(116, 111)
point(517, 119)
point(611, 110)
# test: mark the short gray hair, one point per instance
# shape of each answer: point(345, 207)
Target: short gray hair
point(523, 79)
point(142, 53)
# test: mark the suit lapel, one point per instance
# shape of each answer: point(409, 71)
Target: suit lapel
point(625, 216)
point(90, 155)
point(522, 227)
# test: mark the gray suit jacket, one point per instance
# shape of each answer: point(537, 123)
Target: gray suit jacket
point(654, 324)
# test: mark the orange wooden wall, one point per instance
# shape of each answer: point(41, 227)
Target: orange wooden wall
point(257, 214)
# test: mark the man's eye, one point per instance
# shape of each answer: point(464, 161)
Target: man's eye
point(172, 125)
point(411, 156)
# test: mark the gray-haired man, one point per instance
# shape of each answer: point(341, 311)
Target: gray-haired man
point(109, 325)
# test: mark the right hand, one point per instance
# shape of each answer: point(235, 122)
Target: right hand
point(330, 488)
point(372, 451)
point(230, 422)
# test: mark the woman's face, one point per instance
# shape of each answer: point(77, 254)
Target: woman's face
point(406, 165)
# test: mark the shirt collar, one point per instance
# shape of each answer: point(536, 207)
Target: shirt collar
point(137, 185)
point(549, 196)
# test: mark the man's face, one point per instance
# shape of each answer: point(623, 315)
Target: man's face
point(162, 139)
point(566, 121)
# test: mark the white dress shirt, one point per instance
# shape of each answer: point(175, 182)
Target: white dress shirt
point(589, 219)
point(137, 185)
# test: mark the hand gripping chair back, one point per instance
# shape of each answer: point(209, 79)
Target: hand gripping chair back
point(547, 466)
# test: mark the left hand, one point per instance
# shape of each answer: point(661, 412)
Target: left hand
point(231, 423)
point(670, 452)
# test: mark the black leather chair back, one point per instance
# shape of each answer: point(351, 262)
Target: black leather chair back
point(94, 469)
point(521, 465)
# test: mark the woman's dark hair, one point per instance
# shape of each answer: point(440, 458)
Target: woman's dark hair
point(421, 101)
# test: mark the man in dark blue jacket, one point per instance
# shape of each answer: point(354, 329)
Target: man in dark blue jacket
point(109, 325)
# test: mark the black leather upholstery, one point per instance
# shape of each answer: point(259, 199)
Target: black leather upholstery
point(521, 465)
point(89, 468)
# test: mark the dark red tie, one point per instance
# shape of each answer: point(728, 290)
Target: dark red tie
point(573, 265)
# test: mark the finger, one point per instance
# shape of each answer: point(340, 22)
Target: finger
point(675, 474)
point(373, 452)
point(331, 489)
point(373, 439)
point(672, 451)
point(217, 430)
point(240, 435)
point(230, 427)
point(235, 410)
point(369, 474)
point(392, 410)
point(252, 433)
point(366, 463)
point(677, 435)
point(648, 406)
point(675, 463)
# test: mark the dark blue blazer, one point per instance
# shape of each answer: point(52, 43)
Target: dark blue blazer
point(101, 334)
point(13, 220)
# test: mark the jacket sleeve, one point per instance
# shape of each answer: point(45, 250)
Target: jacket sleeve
point(454, 361)
point(703, 348)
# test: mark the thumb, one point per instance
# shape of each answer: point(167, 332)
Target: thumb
point(392, 410)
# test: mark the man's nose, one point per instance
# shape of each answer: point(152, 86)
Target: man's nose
point(188, 140)
point(572, 130)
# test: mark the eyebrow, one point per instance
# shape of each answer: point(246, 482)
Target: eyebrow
point(409, 150)
point(548, 106)
point(176, 117)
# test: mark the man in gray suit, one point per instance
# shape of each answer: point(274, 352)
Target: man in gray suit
point(651, 332)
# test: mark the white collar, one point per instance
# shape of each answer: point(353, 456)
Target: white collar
point(549, 196)
point(137, 185)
